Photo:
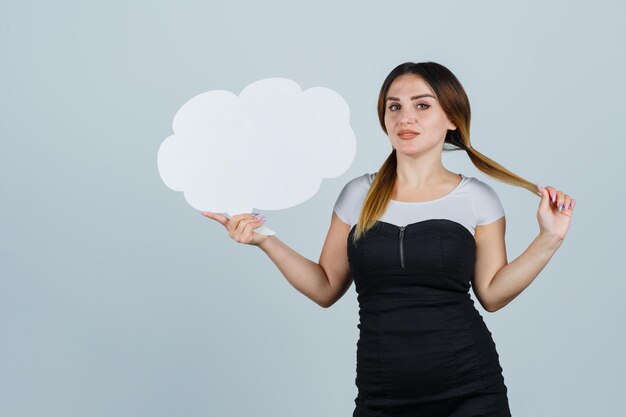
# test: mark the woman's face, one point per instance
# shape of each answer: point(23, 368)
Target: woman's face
point(411, 105)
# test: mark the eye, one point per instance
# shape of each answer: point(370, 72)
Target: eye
point(419, 104)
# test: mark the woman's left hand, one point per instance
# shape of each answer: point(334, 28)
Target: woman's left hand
point(555, 212)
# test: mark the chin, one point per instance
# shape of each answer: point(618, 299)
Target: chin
point(412, 150)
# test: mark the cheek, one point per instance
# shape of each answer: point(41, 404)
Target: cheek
point(390, 119)
point(440, 121)
point(388, 123)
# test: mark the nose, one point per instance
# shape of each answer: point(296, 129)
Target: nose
point(408, 116)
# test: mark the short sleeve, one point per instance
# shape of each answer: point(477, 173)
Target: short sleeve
point(347, 204)
point(487, 204)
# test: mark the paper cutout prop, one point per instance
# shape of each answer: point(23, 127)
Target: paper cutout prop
point(268, 148)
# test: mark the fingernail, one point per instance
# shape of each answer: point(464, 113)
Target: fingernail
point(560, 206)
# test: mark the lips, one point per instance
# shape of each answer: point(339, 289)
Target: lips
point(407, 134)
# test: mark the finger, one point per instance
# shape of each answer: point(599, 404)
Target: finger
point(545, 199)
point(215, 216)
point(241, 227)
point(560, 200)
point(567, 202)
point(235, 220)
point(249, 229)
point(552, 192)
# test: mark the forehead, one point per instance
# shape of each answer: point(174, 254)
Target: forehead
point(409, 85)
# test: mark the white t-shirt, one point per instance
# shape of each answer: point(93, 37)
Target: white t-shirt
point(472, 203)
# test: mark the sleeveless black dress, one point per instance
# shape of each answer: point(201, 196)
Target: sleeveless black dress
point(423, 349)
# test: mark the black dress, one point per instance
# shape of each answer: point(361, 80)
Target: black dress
point(423, 349)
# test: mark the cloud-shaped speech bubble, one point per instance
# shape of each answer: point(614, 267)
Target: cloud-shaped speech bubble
point(268, 148)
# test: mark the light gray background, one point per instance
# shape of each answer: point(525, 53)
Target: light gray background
point(118, 299)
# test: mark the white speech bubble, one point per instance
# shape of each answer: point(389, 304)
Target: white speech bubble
point(270, 148)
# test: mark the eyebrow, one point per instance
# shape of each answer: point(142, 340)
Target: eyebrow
point(412, 98)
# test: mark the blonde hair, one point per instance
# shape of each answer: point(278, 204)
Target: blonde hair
point(452, 98)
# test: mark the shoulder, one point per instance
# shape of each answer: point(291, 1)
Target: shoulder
point(485, 201)
point(351, 198)
point(480, 188)
point(358, 185)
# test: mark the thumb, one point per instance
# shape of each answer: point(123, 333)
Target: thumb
point(544, 204)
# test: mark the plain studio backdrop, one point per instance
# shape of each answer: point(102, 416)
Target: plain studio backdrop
point(118, 299)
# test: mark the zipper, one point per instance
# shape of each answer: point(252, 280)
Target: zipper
point(402, 246)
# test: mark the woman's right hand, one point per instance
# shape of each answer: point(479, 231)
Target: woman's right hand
point(240, 227)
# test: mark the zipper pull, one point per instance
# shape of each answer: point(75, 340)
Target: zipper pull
point(402, 246)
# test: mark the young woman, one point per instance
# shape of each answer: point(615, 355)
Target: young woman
point(415, 237)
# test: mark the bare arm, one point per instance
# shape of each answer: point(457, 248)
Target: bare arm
point(497, 282)
point(324, 282)
point(303, 274)
point(513, 278)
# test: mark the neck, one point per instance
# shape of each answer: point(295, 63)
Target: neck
point(421, 171)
